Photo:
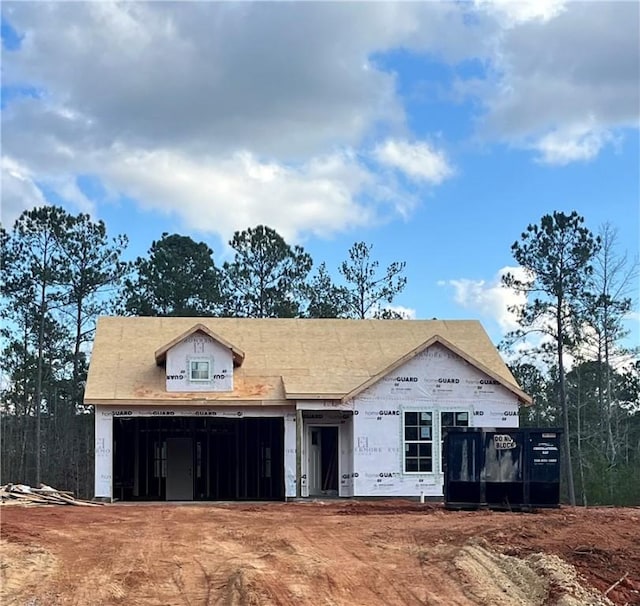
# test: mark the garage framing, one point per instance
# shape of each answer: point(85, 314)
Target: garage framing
point(226, 459)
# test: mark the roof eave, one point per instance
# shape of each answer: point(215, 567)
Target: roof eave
point(182, 403)
point(315, 396)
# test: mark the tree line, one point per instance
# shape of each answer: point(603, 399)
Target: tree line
point(267, 278)
point(62, 271)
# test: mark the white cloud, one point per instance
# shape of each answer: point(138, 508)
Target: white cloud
point(221, 114)
point(563, 84)
point(214, 194)
point(512, 13)
point(19, 192)
point(419, 161)
point(221, 195)
point(571, 144)
point(490, 299)
point(227, 114)
point(213, 77)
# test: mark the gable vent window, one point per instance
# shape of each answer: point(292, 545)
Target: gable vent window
point(199, 370)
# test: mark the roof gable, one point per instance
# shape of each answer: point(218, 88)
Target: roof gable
point(521, 395)
point(236, 353)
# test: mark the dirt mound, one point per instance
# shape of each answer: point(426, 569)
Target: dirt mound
point(533, 581)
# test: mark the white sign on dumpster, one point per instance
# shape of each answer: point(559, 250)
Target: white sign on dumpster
point(503, 442)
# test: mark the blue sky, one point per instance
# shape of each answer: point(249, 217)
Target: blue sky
point(434, 131)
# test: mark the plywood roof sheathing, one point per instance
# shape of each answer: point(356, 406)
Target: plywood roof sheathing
point(281, 359)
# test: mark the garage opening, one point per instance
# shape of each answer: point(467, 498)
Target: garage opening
point(203, 459)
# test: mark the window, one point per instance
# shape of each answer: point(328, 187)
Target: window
point(447, 420)
point(418, 442)
point(454, 419)
point(199, 370)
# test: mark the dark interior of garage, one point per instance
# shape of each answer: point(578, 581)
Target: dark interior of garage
point(203, 459)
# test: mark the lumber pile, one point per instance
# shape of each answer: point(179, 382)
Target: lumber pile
point(21, 494)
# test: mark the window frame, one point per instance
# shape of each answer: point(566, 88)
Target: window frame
point(193, 361)
point(405, 442)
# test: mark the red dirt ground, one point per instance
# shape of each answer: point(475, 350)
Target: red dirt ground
point(342, 553)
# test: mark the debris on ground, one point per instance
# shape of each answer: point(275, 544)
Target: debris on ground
point(23, 494)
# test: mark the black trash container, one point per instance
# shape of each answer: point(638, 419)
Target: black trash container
point(543, 467)
point(503, 466)
point(508, 468)
point(463, 465)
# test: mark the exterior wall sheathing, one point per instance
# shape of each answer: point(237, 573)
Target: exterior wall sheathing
point(435, 380)
point(371, 441)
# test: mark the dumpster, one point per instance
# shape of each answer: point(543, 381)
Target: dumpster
point(510, 468)
point(543, 467)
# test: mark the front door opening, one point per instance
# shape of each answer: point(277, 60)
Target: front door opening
point(202, 459)
point(323, 461)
